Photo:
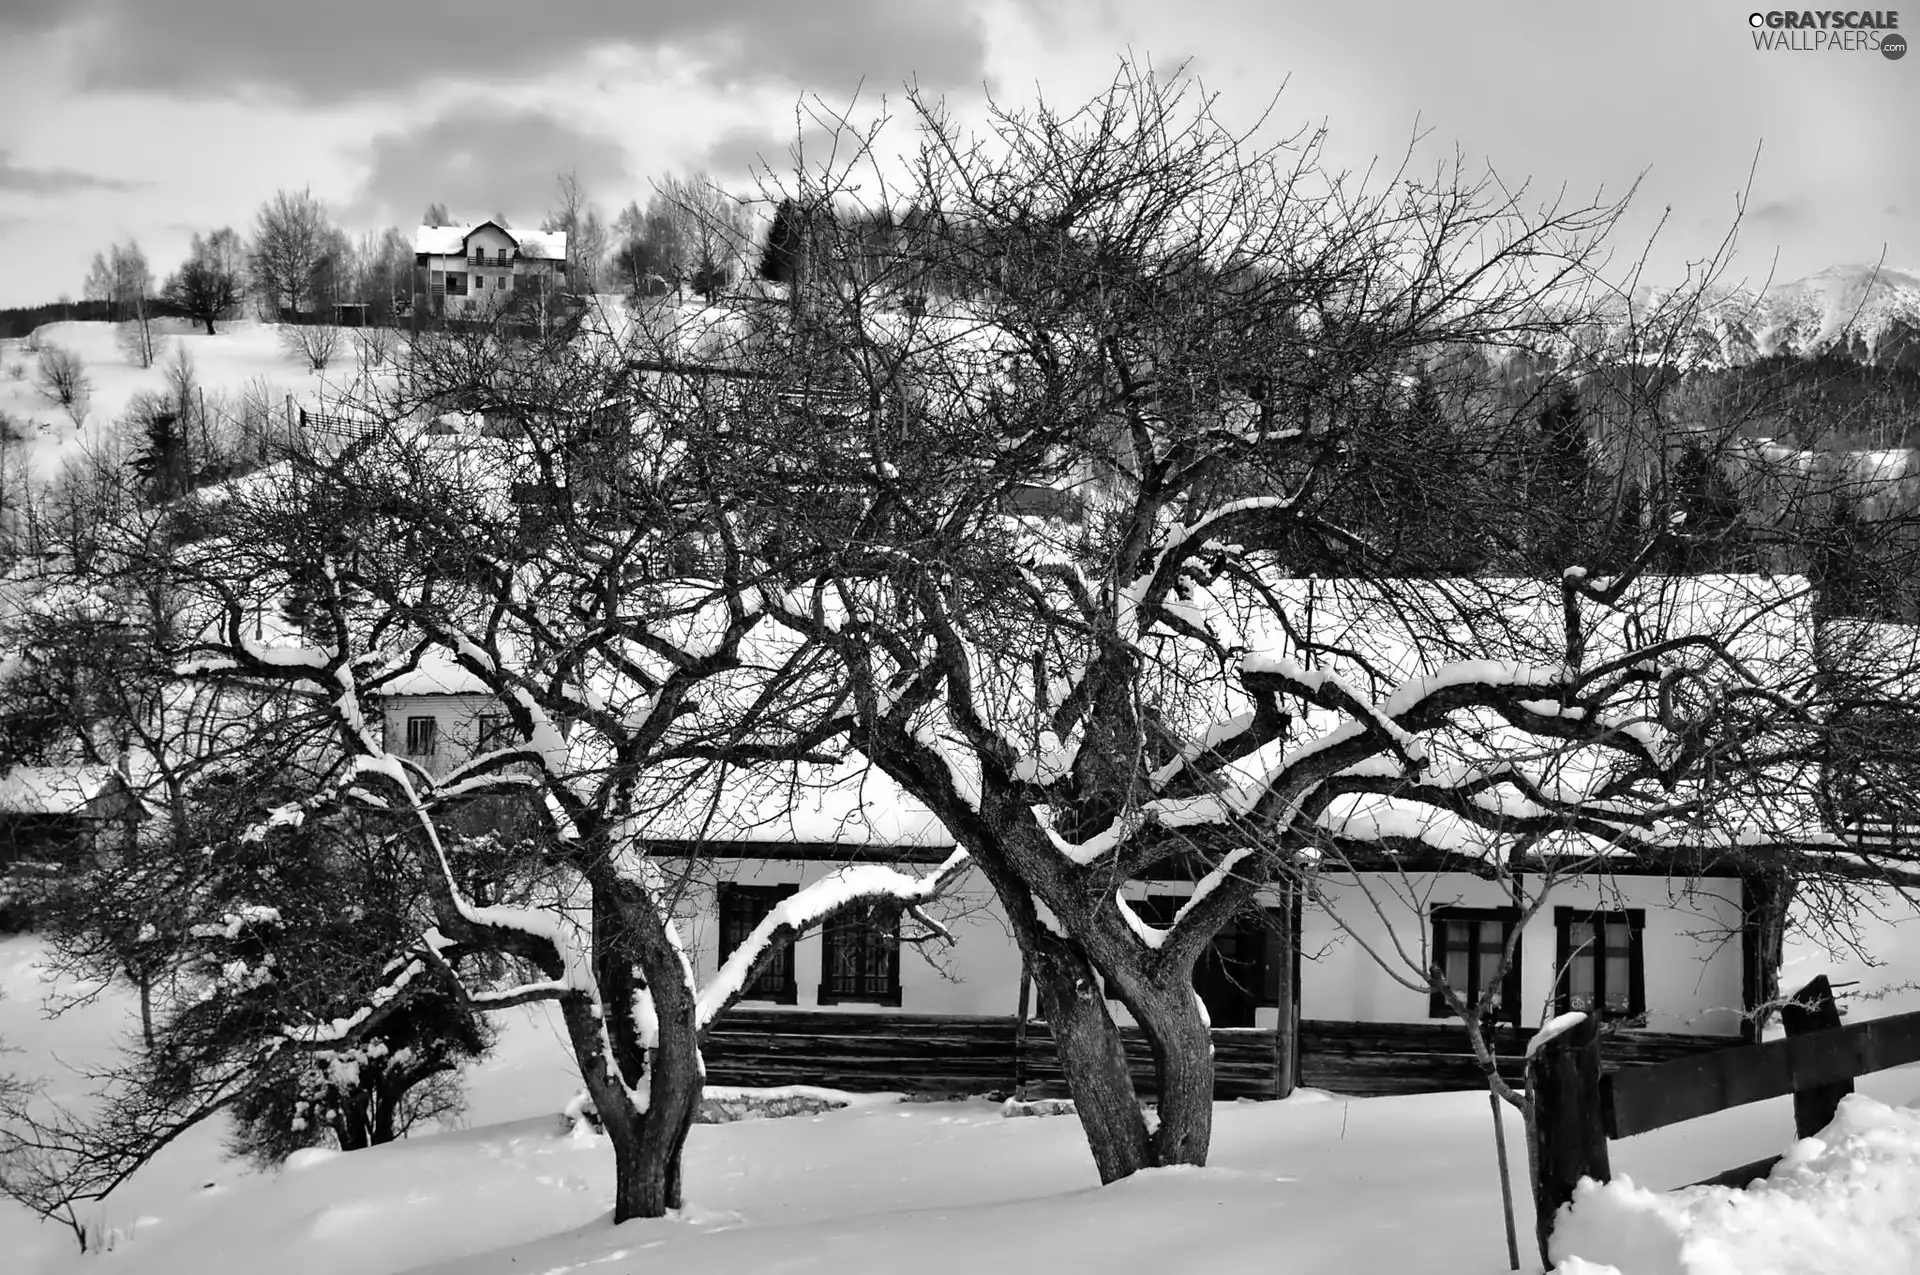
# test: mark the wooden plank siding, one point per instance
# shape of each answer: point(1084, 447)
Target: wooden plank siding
point(955, 1054)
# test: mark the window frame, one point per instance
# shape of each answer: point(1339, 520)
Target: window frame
point(834, 933)
point(1510, 992)
point(492, 731)
point(731, 894)
point(1635, 919)
point(418, 726)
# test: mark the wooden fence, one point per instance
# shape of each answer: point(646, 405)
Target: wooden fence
point(1372, 1059)
point(1579, 1108)
point(940, 1053)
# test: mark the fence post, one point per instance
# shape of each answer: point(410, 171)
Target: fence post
point(1569, 1128)
point(1021, 1013)
point(1286, 1027)
point(1813, 1009)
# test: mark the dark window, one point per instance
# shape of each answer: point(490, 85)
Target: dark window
point(1602, 961)
point(1238, 971)
point(494, 731)
point(860, 959)
point(503, 256)
point(741, 908)
point(456, 283)
point(420, 736)
point(1467, 946)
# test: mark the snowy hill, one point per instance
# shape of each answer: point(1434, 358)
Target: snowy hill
point(245, 360)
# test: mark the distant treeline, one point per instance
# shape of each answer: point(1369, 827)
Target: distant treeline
point(19, 321)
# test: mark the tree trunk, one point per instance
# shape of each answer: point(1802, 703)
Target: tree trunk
point(146, 1011)
point(647, 1144)
point(386, 1107)
point(1094, 1062)
point(639, 1187)
point(350, 1126)
point(209, 323)
point(1183, 1063)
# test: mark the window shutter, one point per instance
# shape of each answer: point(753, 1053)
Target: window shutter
point(1510, 985)
point(1562, 958)
point(1437, 1006)
point(1636, 962)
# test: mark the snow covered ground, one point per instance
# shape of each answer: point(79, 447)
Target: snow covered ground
point(243, 352)
point(1312, 1184)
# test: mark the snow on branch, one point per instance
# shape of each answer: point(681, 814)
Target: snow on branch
point(840, 890)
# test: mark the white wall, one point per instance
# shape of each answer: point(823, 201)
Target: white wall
point(457, 729)
point(1691, 941)
point(978, 974)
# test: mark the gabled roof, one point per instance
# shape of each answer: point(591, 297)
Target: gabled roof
point(451, 241)
point(435, 677)
point(54, 790)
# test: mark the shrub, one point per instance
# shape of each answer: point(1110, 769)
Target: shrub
point(315, 344)
point(61, 375)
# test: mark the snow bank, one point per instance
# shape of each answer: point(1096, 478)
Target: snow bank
point(1843, 1201)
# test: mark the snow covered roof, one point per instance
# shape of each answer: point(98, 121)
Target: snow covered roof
point(54, 790)
point(451, 241)
point(436, 677)
point(849, 806)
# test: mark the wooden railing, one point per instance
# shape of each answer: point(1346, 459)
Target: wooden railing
point(950, 1053)
point(1578, 1108)
point(942, 1053)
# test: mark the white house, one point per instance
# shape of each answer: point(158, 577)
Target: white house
point(470, 271)
point(1322, 986)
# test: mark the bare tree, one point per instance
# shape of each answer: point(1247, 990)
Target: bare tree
point(62, 377)
point(313, 344)
point(100, 283)
point(375, 553)
point(1173, 339)
point(294, 242)
point(209, 283)
point(586, 233)
point(692, 233)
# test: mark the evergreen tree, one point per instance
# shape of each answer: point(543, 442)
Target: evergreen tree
point(1561, 484)
point(1707, 528)
point(786, 245)
point(162, 462)
point(1628, 530)
point(1842, 564)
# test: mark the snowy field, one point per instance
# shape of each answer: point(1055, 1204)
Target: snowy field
point(1313, 1184)
point(242, 353)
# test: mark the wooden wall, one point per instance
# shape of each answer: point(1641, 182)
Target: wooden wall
point(950, 1053)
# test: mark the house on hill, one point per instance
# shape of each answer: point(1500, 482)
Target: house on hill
point(439, 715)
point(51, 816)
point(474, 271)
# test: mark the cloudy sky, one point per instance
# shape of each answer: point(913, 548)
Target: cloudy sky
point(155, 118)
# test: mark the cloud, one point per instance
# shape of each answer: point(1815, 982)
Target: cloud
point(358, 48)
point(1780, 213)
point(53, 181)
point(481, 158)
point(748, 153)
